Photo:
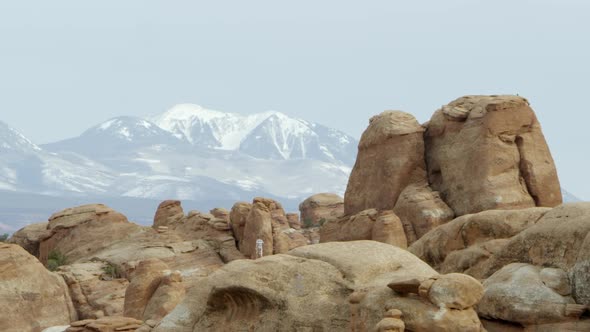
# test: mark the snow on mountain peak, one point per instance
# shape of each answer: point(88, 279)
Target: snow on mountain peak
point(267, 135)
point(12, 140)
point(209, 128)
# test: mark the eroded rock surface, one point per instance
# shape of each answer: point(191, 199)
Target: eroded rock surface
point(31, 297)
point(370, 224)
point(321, 208)
point(488, 152)
point(315, 288)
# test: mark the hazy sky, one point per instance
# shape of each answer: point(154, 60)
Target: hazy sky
point(68, 65)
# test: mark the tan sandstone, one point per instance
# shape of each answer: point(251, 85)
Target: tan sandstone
point(488, 152)
point(32, 298)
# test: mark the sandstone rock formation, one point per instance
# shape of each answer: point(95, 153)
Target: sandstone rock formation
point(384, 227)
point(488, 152)
point(309, 289)
point(529, 295)
point(153, 292)
point(95, 289)
point(265, 220)
point(167, 213)
point(80, 232)
point(320, 208)
point(390, 157)
point(213, 227)
point(466, 243)
point(30, 237)
point(560, 239)
point(392, 322)
point(31, 298)
point(390, 174)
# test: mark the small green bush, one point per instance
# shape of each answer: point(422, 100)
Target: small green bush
point(307, 223)
point(55, 259)
point(111, 271)
point(4, 237)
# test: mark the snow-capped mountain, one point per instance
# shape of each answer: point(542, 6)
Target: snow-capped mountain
point(268, 135)
point(117, 135)
point(208, 128)
point(192, 153)
point(11, 141)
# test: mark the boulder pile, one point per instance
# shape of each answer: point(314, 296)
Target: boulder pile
point(452, 225)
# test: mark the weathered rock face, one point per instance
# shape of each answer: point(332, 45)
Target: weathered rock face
point(80, 232)
point(384, 227)
point(170, 292)
point(466, 243)
point(167, 213)
point(30, 237)
point(390, 174)
point(213, 227)
point(293, 219)
point(320, 208)
point(153, 292)
point(238, 217)
point(328, 287)
point(95, 289)
point(421, 209)
point(265, 220)
point(144, 283)
point(488, 152)
point(390, 156)
point(559, 239)
point(528, 295)
point(32, 298)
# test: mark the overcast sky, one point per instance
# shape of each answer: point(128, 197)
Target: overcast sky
point(68, 65)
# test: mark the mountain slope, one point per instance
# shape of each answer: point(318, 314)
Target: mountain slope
point(268, 135)
point(117, 135)
point(12, 141)
point(207, 128)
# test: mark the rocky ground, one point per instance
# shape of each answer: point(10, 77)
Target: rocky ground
point(453, 225)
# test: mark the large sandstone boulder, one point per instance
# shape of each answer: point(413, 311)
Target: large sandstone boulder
point(326, 287)
point(79, 232)
point(529, 295)
point(30, 237)
point(167, 213)
point(390, 156)
point(488, 152)
point(390, 174)
point(466, 243)
point(559, 239)
point(421, 209)
point(370, 224)
point(238, 217)
point(144, 283)
point(31, 297)
point(320, 208)
point(153, 292)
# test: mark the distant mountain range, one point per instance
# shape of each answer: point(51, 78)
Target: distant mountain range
point(206, 158)
point(188, 153)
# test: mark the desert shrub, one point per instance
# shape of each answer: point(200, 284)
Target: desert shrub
point(111, 271)
point(307, 222)
point(55, 259)
point(4, 237)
